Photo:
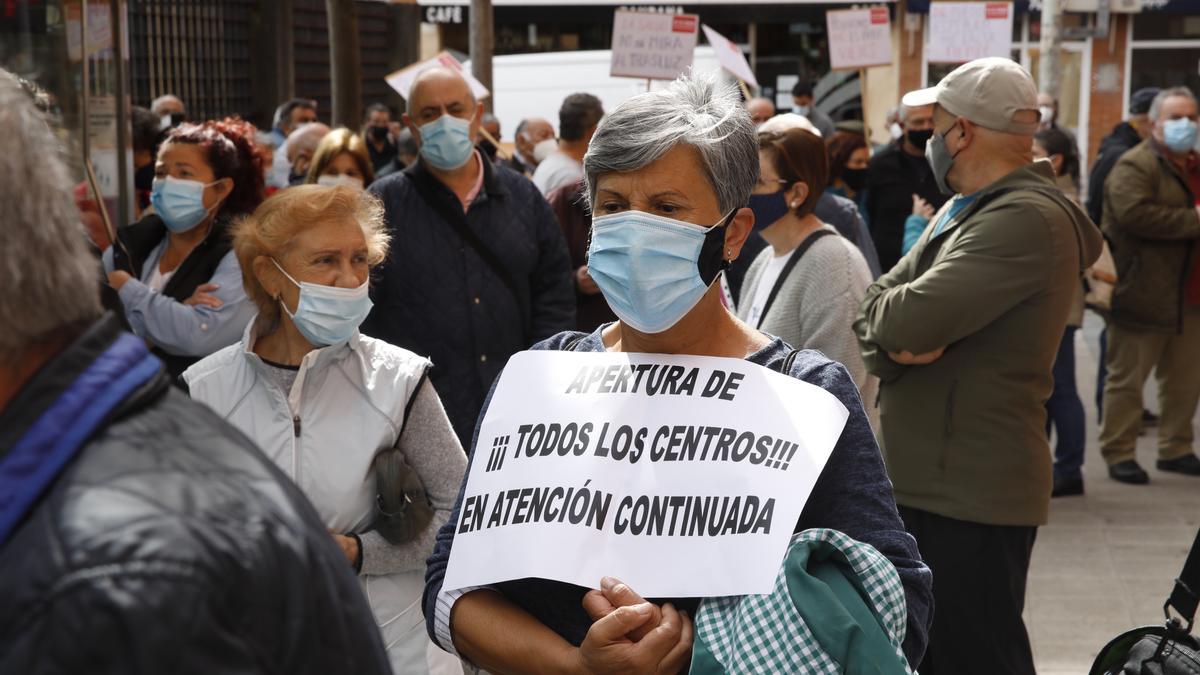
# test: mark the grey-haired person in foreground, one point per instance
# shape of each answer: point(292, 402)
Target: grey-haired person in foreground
point(138, 532)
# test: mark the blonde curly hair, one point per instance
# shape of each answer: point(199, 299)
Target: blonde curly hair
point(270, 230)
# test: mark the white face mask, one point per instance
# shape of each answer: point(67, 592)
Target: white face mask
point(340, 179)
point(544, 149)
point(1046, 113)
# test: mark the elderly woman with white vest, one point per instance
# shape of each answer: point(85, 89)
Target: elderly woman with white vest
point(328, 404)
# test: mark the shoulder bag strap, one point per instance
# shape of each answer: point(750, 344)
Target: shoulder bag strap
point(787, 269)
point(1185, 597)
point(788, 362)
point(426, 189)
point(411, 401)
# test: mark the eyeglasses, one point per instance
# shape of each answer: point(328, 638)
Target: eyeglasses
point(768, 183)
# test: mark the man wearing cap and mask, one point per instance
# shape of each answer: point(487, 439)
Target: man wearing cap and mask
point(963, 333)
point(478, 268)
point(897, 174)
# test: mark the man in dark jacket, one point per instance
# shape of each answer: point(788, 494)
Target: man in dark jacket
point(138, 532)
point(1153, 222)
point(1124, 136)
point(478, 268)
point(895, 175)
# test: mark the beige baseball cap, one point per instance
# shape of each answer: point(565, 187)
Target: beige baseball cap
point(990, 92)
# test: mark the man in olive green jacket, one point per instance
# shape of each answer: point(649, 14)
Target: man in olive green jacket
point(963, 333)
point(1150, 216)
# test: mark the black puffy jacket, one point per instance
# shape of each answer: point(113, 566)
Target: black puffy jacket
point(170, 544)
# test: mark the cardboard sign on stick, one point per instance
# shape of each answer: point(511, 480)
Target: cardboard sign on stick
point(859, 38)
point(402, 80)
point(653, 46)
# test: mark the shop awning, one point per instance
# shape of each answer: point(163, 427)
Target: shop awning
point(566, 4)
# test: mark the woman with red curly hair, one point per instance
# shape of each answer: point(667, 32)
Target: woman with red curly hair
point(177, 277)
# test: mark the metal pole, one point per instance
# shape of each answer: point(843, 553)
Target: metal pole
point(482, 45)
point(1050, 48)
point(86, 82)
point(344, 63)
point(124, 194)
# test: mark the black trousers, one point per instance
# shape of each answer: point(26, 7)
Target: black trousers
point(979, 574)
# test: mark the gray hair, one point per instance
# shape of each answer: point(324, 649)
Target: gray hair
point(49, 277)
point(1157, 104)
point(694, 110)
point(305, 139)
point(156, 106)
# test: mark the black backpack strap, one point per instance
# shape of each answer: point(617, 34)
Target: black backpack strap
point(1185, 597)
point(427, 189)
point(789, 266)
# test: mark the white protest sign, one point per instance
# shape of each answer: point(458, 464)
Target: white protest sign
point(965, 31)
point(652, 46)
point(402, 80)
point(730, 56)
point(859, 38)
point(683, 476)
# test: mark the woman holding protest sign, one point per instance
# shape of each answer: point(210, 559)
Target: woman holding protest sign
point(668, 175)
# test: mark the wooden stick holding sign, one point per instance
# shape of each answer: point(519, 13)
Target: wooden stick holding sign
point(500, 151)
point(745, 89)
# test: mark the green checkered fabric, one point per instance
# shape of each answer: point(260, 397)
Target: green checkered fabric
point(861, 622)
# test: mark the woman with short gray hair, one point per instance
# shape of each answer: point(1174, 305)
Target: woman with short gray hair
point(668, 177)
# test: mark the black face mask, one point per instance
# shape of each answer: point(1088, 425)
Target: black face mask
point(855, 179)
point(918, 139)
point(143, 178)
point(379, 133)
point(712, 252)
point(488, 149)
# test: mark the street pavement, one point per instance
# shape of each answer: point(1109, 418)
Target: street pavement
point(1107, 560)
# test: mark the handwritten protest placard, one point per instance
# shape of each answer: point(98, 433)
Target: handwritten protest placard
point(859, 38)
point(652, 46)
point(682, 476)
point(964, 31)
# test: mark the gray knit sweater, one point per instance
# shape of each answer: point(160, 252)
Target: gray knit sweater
point(816, 307)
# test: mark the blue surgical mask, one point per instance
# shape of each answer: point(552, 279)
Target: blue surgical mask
point(801, 110)
point(1179, 135)
point(446, 142)
point(653, 270)
point(767, 208)
point(327, 315)
point(180, 203)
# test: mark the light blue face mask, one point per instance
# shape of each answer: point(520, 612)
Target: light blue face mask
point(650, 268)
point(446, 142)
point(327, 315)
point(180, 203)
point(1179, 135)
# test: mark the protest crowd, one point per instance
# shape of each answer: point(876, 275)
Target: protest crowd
point(254, 430)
